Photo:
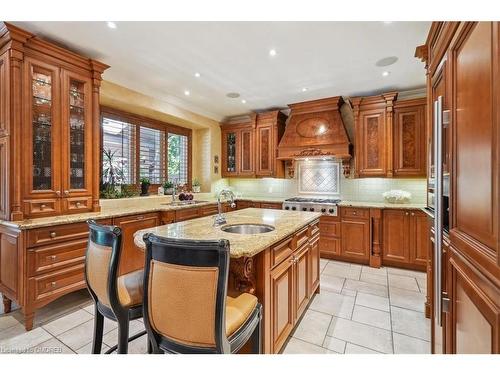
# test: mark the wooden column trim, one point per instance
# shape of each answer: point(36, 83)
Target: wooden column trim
point(389, 98)
point(357, 134)
point(375, 237)
point(16, 58)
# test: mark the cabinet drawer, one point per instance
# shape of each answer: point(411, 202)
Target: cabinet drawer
point(209, 210)
point(167, 217)
point(50, 258)
point(330, 229)
point(281, 251)
point(42, 207)
point(313, 229)
point(353, 212)
point(78, 204)
point(329, 245)
point(187, 214)
point(47, 287)
point(301, 237)
point(57, 233)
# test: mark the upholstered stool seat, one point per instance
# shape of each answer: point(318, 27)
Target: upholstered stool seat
point(238, 310)
point(130, 288)
point(186, 306)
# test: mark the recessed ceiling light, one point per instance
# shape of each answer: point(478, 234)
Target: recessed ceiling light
point(233, 95)
point(386, 73)
point(386, 61)
point(243, 101)
point(111, 24)
point(304, 89)
point(197, 75)
point(272, 52)
point(187, 93)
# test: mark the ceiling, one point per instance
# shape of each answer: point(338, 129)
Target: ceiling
point(160, 59)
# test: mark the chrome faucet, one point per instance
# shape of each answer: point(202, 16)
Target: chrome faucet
point(220, 218)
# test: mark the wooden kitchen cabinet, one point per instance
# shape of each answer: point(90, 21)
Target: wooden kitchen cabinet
point(330, 236)
point(241, 204)
point(132, 258)
point(355, 228)
point(51, 98)
point(405, 239)
point(409, 141)
point(238, 146)
point(373, 119)
point(270, 129)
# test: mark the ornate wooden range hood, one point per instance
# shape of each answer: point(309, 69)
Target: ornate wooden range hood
point(315, 130)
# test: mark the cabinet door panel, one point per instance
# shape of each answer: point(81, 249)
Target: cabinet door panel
point(314, 258)
point(77, 136)
point(419, 238)
point(42, 154)
point(230, 156)
point(301, 281)
point(355, 239)
point(247, 152)
point(409, 141)
point(373, 143)
point(132, 258)
point(265, 151)
point(282, 303)
point(396, 240)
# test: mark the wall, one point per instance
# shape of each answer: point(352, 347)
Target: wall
point(361, 189)
point(206, 131)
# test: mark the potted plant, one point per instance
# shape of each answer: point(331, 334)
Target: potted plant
point(196, 186)
point(168, 188)
point(145, 186)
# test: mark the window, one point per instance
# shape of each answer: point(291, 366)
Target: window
point(177, 158)
point(118, 158)
point(152, 154)
point(135, 147)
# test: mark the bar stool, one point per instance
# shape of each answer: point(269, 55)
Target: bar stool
point(118, 298)
point(186, 307)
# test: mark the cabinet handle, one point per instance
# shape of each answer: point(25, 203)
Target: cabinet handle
point(413, 214)
point(53, 257)
point(406, 213)
point(52, 234)
point(42, 206)
point(66, 192)
point(77, 204)
point(53, 284)
point(354, 213)
point(58, 193)
point(140, 217)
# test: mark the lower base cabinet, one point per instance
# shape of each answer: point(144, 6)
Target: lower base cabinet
point(405, 240)
point(330, 236)
point(293, 282)
point(355, 228)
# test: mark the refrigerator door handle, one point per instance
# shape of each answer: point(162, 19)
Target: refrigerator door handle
point(438, 214)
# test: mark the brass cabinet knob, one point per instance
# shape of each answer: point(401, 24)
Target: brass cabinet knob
point(53, 283)
point(77, 204)
point(66, 192)
point(42, 206)
point(52, 234)
point(53, 257)
point(58, 193)
point(406, 213)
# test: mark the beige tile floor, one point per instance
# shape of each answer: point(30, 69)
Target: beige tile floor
point(359, 310)
point(364, 310)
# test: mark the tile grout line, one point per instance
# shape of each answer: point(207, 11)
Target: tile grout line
point(390, 313)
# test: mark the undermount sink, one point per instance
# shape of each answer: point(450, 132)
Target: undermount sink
point(248, 228)
point(182, 203)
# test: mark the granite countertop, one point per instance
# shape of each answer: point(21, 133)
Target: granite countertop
point(242, 245)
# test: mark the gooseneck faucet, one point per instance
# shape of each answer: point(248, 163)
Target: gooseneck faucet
point(220, 218)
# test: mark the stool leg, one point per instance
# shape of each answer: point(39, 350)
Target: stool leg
point(150, 346)
point(257, 339)
point(98, 331)
point(123, 325)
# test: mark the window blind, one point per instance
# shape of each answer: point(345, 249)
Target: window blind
point(177, 158)
point(152, 154)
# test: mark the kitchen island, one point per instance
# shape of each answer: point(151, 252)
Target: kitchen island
point(280, 267)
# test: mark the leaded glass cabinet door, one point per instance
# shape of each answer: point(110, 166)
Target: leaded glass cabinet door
point(42, 154)
point(77, 140)
point(230, 155)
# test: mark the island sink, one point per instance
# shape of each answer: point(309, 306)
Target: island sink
point(248, 228)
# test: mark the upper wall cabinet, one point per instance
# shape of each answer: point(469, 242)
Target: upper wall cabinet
point(57, 93)
point(238, 146)
point(390, 136)
point(373, 118)
point(249, 145)
point(270, 129)
point(409, 158)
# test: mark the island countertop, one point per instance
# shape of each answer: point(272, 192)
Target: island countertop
point(241, 245)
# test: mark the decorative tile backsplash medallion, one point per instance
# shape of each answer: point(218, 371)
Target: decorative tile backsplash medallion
point(319, 177)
